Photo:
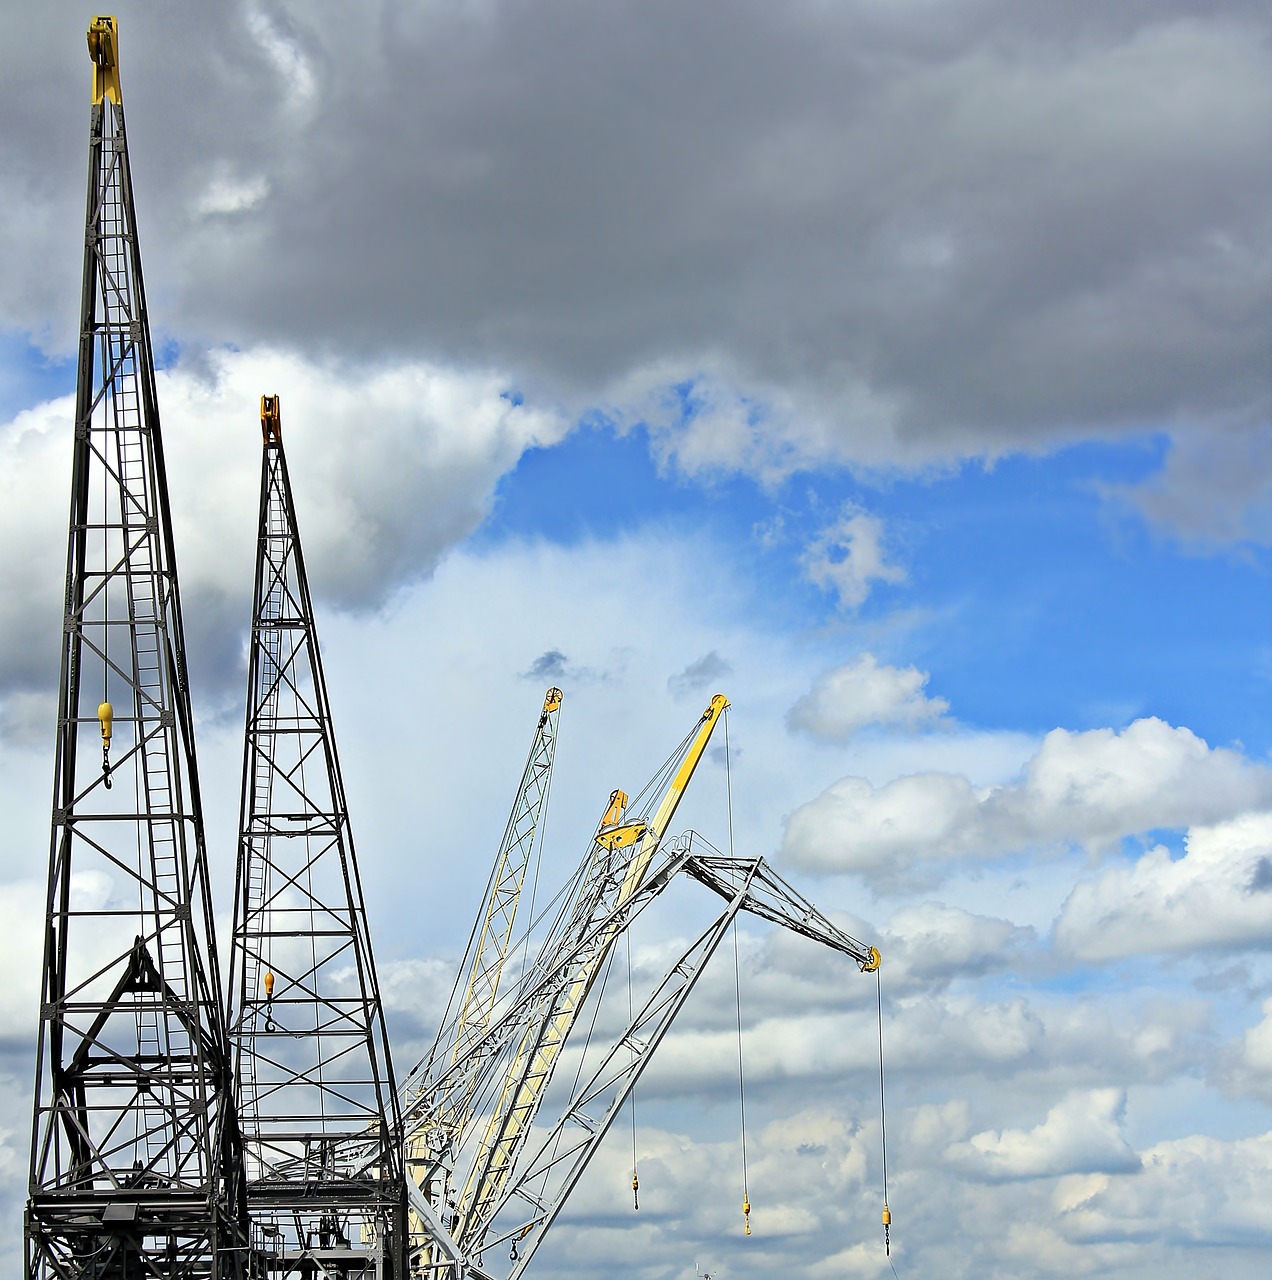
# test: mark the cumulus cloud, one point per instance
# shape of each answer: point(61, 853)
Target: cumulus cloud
point(1088, 789)
point(1215, 896)
point(934, 941)
point(1189, 1191)
point(847, 558)
point(391, 465)
point(1250, 1070)
point(1081, 1134)
point(861, 693)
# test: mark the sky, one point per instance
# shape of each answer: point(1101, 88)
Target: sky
point(899, 368)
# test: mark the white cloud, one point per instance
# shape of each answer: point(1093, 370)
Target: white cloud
point(934, 941)
point(1219, 894)
point(862, 693)
point(1081, 1134)
point(847, 557)
point(1087, 789)
point(289, 60)
point(226, 193)
point(712, 416)
point(392, 465)
point(1251, 1072)
point(1193, 1190)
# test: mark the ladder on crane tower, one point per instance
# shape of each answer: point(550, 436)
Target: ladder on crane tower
point(136, 1164)
point(325, 1180)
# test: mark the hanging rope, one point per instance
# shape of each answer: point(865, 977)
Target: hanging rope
point(632, 1098)
point(737, 993)
point(883, 1128)
point(105, 712)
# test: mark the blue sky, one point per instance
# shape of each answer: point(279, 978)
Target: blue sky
point(900, 371)
point(1095, 616)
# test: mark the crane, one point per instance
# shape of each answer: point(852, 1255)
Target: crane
point(517, 1185)
point(318, 1106)
point(533, 1199)
point(619, 858)
point(136, 1165)
point(432, 1150)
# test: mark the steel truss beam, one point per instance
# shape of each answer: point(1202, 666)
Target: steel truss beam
point(431, 1152)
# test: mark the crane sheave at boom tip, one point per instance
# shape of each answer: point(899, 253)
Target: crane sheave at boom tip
point(103, 49)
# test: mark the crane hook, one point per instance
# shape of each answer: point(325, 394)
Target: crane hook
point(106, 716)
point(635, 1191)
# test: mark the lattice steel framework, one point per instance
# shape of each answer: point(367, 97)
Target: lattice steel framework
point(534, 1197)
point(135, 1161)
point(614, 869)
point(432, 1149)
point(321, 1123)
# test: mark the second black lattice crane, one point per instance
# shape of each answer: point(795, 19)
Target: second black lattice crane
point(318, 1106)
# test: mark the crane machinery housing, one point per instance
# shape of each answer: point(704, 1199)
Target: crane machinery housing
point(182, 1131)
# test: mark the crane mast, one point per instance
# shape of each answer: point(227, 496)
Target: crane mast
point(321, 1125)
point(617, 864)
point(136, 1167)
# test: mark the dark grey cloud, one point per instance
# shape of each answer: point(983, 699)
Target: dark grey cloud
point(699, 674)
point(1212, 490)
point(551, 665)
point(999, 224)
point(1261, 878)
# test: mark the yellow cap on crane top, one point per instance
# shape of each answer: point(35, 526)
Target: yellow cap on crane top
point(271, 420)
point(617, 803)
point(106, 715)
point(103, 48)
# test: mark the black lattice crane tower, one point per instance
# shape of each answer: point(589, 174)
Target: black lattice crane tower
point(135, 1158)
point(321, 1126)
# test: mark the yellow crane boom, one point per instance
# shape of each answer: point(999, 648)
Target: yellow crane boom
point(619, 859)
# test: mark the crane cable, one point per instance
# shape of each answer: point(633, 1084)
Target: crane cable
point(883, 1129)
point(737, 994)
point(632, 1099)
